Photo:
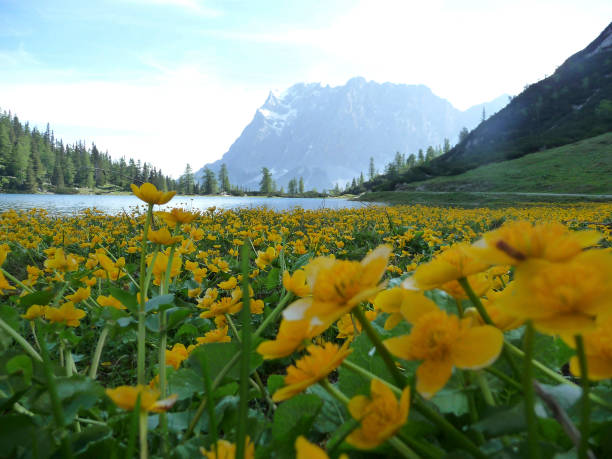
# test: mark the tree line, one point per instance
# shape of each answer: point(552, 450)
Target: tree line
point(33, 161)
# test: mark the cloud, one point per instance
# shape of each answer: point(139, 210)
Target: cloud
point(168, 120)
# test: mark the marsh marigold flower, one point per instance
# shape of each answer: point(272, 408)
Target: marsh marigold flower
point(391, 301)
point(35, 311)
point(561, 298)
point(292, 336)
point(320, 362)
point(4, 250)
point(110, 301)
point(380, 415)
point(597, 349)
point(519, 241)
point(66, 314)
point(125, 397)
point(4, 285)
point(80, 295)
point(500, 318)
point(227, 450)
point(163, 237)
point(338, 286)
point(176, 355)
point(452, 264)
point(177, 215)
point(296, 283)
point(148, 193)
point(265, 258)
point(441, 342)
point(306, 450)
point(60, 261)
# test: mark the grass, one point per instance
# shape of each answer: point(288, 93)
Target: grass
point(583, 167)
point(475, 199)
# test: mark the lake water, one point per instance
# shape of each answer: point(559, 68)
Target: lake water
point(68, 204)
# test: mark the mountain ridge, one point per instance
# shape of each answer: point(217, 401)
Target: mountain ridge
point(326, 135)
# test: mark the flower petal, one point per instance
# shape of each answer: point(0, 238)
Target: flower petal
point(399, 346)
point(598, 367)
point(432, 375)
point(478, 347)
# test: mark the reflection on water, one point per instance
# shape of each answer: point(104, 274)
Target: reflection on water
point(112, 204)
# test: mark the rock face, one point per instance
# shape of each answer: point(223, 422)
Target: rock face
point(326, 135)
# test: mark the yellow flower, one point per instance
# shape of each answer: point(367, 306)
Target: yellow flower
point(320, 361)
point(598, 351)
point(479, 282)
point(125, 397)
point(61, 262)
point(265, 258)
point(218, 335)
point(291, 336)
point(194, 292)
point(338, 286)
point(518, 241)
point(346, 324)
point(162, 236)
point(80, 295)
point(380, 415)
point(452, 264)
point(391, 301)
point(501, 319)
point(35, 311)
point(176, 355)
point(561, 298)
point(4, 285)
point(229, 284)
point(306, 450)
point(177, 215)
point(148, 193)
point(161, 263)
point(209, 297)
point(4, 250)
point(256, 306)
point(226, 305)
point(110, 301)
point(227, 450)
point(296, 283)
point(442, 342)
point(66, 313)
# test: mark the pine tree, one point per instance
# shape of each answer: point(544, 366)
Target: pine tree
point(463, 134)
point(301, 186)
point(411, 161)
point(187, 180)
point(265, 185)
point(420, 157)
point(372, 169)
point(209, 186)
point(431, 154)
point(224, 182)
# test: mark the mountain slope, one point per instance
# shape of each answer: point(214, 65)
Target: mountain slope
point(328, 134)
point(581, 167)
point(574, 103)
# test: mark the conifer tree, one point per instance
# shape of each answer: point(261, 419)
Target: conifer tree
point(301, 186)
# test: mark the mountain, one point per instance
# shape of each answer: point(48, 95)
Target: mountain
point(574, 103)
point(328, 134)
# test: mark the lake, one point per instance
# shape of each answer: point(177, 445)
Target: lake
point(59, 204)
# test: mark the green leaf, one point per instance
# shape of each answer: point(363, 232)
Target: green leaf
point(75, 393)
point(152, 323)
point(185, 382)
point(451, 401)
point(16, 430)
point(42, 298)
point(21, 364)
point(175, 317)
point(551, 351)
point(11, 317)
point(156, 303)
point(91, 438)
point(275, 382)
point(187, 329)
point(272, 279)
point(503, 421)
point(128, 299)
point(301, 261)
point(293, 418)
point(217, 356)
point(332, 414)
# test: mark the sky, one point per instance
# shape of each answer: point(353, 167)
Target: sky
point(172, 82)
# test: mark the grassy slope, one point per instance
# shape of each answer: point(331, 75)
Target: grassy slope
point(581, 167)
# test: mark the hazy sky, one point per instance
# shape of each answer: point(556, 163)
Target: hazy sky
point(176, 81)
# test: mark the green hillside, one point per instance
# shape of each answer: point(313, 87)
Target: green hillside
point(580, 167)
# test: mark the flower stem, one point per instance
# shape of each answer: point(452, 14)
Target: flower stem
point(533, 446)
point(380, 347)
point(583, 448)
point(484, 387)
point(229, 365)
point(331, 390)
point(56, 405)
point(403, 449)
point(95, 361)
point(17, 281)
point(245, 316)
point(141, 306)
point(142, 422)
point(21, 340)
